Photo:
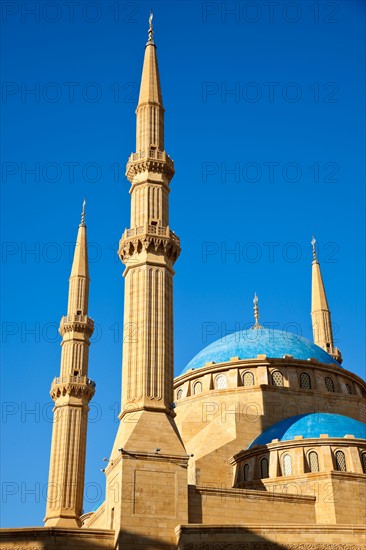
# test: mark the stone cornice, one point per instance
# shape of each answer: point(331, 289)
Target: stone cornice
point(275, 528)
point(251, 494)
point(181, 460)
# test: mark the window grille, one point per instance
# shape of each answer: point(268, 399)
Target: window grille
point(277, 378)
point(220, 382)
point(264, 468)
point(313, 462)
point(179, 394)
point(340, 461)
point(248, 379)
point(287, 465)
point(349, 389)
point(305, 381)
point(329, 384)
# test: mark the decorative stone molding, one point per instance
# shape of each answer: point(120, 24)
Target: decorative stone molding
point(152, 160)
point(149, 238)
point(76, 323)
point(76, 386)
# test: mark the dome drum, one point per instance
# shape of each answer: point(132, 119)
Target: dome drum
point(283, 374)
point(302, 444)
point(306, 456)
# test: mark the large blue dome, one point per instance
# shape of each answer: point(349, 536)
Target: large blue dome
point(247, 344)
point(311, 426)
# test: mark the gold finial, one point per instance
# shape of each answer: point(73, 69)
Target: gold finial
point(256, 313)
point(313, 242)
point(151, 30)
point(83, 213)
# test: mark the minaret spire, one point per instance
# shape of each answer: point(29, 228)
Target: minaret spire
point(71, 392)
point(320, 312)
point(151, 30)
point(256, 313)
point(150, 110)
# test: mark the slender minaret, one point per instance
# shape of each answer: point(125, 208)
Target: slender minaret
point(320, 313)
point(71, 393)
point(149, 250)
point(146, 475)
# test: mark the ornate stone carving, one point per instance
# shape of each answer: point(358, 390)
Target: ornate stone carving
point(152, 160)
point(77, 323)
point(76, 386)
point(151, 239)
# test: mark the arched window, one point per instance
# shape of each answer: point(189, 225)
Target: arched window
point(287, 465)
point(264, 468)
point(197, 388)
point(329, 384)
point(348, 389)
point(340, 461)
point(246, 471)
point(363, 462)
point(313, 461)
point(248, 379)
point(220, 382)
point(179, 393)
point(277, 378)
point(305, 381)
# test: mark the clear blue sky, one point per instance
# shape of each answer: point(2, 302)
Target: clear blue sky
point(292, 129)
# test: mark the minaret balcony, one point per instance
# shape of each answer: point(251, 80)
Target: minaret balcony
point(149, 237)
point(77, 323)
point(149, 160)
point(75, 385)
point(150, 230)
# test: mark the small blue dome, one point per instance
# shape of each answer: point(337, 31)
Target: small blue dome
point(311, 426)
point(247, 344)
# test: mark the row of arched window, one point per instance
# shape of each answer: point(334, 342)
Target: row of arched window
point(312, 460)
point(277, 380)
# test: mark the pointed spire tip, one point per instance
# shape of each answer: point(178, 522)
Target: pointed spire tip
point(82, 222)
point(313, 243)
point(151, 30)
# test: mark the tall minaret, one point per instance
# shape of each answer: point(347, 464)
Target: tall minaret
point(71, 393)
point(149, 250)
point(320, 313)
point(146, 475)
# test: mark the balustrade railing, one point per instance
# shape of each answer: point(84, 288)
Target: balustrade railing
point(74, 380)
point(151, 153)
point(150, 230)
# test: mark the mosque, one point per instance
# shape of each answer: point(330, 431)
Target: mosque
point(258, 444)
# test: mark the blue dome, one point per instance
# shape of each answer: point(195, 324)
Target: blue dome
point(247, 344)
point(311, 426)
